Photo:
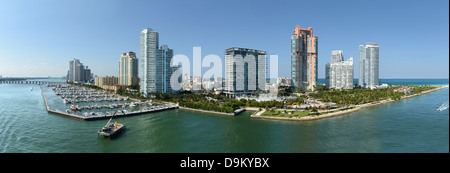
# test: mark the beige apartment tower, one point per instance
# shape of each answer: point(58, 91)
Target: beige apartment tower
point(128, 69)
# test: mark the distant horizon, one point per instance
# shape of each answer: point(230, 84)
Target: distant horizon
point(191, 75)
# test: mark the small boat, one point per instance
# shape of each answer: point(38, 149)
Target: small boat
point(111, 129)
point(31, 88)
point(73, 108)
point(444, 106)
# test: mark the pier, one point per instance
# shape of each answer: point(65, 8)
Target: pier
point(108, 114)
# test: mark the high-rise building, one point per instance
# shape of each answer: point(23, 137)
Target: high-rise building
point(304, 58)
point(128, 69)
point(339, 74)
point(149, 43)
point(368, 65)
point(164, 71)
point(245, 70)
point(78, 73)
point(155, 64)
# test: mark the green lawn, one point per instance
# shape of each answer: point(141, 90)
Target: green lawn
point(279, 113)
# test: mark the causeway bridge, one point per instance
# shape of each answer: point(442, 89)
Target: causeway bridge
point(25, 80)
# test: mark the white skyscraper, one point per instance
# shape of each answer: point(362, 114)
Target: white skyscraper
point(78, 72)
point(339, 74)
point(149, 43)
point(155, 61)
point(368, 65)
point(245, 70)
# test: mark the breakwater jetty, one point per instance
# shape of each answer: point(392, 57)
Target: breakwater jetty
point(105, 115)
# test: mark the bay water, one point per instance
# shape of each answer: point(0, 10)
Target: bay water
point(408, 126)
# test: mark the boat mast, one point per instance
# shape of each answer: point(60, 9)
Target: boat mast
point(110, 119)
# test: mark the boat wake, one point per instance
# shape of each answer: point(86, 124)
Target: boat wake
point(444, 106)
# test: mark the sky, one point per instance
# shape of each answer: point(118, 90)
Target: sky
point(40, 37)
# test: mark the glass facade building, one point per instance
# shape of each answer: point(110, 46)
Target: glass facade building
point(78, 73)
point(245, 71)
point(304, 59)
point(368, 65)
point(155, 64)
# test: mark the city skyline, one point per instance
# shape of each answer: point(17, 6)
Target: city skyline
point(95, 41)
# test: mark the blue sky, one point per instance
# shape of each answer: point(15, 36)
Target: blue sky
point(39, 37)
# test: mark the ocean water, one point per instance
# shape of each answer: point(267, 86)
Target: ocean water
point(407, 126)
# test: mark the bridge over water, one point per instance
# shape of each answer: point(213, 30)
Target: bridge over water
point(25, 80)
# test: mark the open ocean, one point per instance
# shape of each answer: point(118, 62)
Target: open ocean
point(408, 126)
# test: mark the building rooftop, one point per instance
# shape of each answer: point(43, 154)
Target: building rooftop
point(243, 49)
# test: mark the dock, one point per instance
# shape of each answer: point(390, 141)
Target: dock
point(105, 116)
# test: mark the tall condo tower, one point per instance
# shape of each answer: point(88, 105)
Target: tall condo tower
point(245, 71)
point(156, 71)
point(78, 73)
point(304, 59)
point(164, 71)
point(128, 69)
point(149, 43)
point(339, 74)
point(368, 65)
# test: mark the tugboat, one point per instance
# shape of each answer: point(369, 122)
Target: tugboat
point(111, 129)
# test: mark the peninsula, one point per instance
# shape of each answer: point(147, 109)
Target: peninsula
point(282, 114)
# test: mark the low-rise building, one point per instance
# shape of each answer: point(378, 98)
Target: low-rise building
point(107, 80)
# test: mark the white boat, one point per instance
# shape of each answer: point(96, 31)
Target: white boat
point(444, 106)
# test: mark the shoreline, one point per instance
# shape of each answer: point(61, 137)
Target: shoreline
point(236, 112)
point(357, 108)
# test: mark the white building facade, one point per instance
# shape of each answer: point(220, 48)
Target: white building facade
point(245, 71)
point(368, 65)
point(339, 74)
point(156, 70)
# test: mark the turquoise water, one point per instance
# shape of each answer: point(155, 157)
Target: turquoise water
point(410, 125)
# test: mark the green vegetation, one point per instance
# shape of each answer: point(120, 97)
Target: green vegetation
point(211, 106)
point(283, 113)
point(361, 96)
point(218, 102)
point(312, 112)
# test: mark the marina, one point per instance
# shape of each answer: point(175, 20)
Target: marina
point(106, 105)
